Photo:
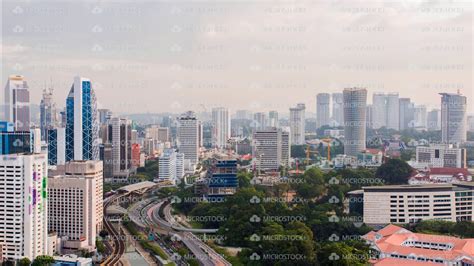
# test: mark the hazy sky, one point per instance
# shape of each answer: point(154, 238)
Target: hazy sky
point(157, 56)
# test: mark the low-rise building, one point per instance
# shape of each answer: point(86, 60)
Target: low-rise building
point(441, 155)
point(398, 246)
point(440, 175)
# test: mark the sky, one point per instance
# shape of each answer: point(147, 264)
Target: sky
point(173, 56)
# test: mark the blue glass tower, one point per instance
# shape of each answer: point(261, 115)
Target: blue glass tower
point(82, 126)
point(223, 179)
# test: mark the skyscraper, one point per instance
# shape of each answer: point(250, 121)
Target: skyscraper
point(170, 166)
point(338, 108)
point(470, 123)
point(271, 148)
point(393, 111)
point(407, 113)
point(260, 121)
point(56, 147)
point(221, 127)
point(453, 118)
point(82, 125)
point(17, 103)
point(420, 117)
point(48, 114)
point(120, 136)
point(322, 109)
point(76, 204)
point(355, 105)
point(273, 119)
point(23, 216)
point(379, 114)
point(434, 119)
point(188, 137)
point(297, 124)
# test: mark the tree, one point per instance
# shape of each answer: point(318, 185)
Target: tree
point(343, 254)
point(312, 184)
point(43, 260)
point(394, 172)
point(244, 179)
point(24, 262)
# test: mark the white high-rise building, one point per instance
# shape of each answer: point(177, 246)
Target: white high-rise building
point(393, 111)
point(76, 204)
point(323, 101)
point(420, 117)
point(48, 114)
point(260, 121)
point(453, 118)
point(355, 107)
point(297, 124)
point(24, 206)
point(271, 148)
point(121, 141)
point(434, 119)
point(379, 115)
point(406, 113)
point(189, 137)
point(221, 127)
point(386, 111)
point(170, 166)
point(273, 119)
point(17, 103)
point(338, 108)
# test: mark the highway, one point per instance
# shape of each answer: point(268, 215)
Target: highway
point(202, 252)
point(119, 245)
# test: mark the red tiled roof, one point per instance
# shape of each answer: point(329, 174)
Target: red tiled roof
point(448, 171)
point(396, 262)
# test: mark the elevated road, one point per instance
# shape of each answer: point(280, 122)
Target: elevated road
point(119, 245)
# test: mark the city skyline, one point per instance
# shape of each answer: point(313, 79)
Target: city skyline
point(265, 59)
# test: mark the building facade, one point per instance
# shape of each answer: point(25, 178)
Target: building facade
point(17, 103)
point(442, 155)
point(189, 137)
point(221, 127)
point(271, 149)
point(338, 108)
point(297, 124)
point(48, 114)
point(323, 101)
point(355, 105)
point(453, 118)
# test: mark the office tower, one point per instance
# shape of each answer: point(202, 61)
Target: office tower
point(189, 137)
point(338, 108)
point(17, 103)
point(470, 123)
point(223, 180)
point(56, 148)
point(355, 105)
point(297, 124)
point(393, 111)
point(120, 136)
point(135, 162)
point(48, 114)
point(323, 101)
point(134, 136)
point(104, 116)
point(271, 149)
point(163, 134)
point(420, 117)
point(82, 127)
point(434, 120)
point(62, 119)
point(273, 119)
point(106, 156)
point(157, 133)
point(76, 204)
point(379, 113)
point(407, 113)
point(453, 118)
point(260, 121)
point(370, 116)
point(23, 216)
point(170, 166)
point(12, 141)
point(441, 155)
point(243, 114)
point(221, 127)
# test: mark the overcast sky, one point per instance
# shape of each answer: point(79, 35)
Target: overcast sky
point(158, 56)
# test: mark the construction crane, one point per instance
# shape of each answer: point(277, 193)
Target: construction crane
point(328, 142)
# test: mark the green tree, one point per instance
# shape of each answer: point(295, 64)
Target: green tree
point(394, 172)
point(43, 260)
point(343, 254)
point(244, 179)
point(24, 262)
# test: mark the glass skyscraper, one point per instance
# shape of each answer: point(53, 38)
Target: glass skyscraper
point(82, 125)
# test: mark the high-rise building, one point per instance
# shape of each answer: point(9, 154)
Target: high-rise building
point(386, 110)
point(243, 114)
point(104, 116)
point(420, 117)
point(12, 142)
point(470, 123)
point(271, 149)
point(221, 127)
point(260, 121)
point(17, 103)
point(338, 108)
point(24, 201)
point(82, 125)
point(136, 151)
point(189, 137)
point(48, 114)
point(323, 101)
point(273, 119)
point(393, 111)
point(434, 120)
point(157, 133)
point(56, 147)
point(297, 124)
point(223, 178)
point(120, 136)
point(407, 113)
point(370, 116)
point(355, 107)
point(453, 118)
point(170, 166)
point(76, 204)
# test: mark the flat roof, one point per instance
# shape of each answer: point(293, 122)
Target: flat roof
point(421, 187)
point(137, 186)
